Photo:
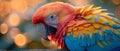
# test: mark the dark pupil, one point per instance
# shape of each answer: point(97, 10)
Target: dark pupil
point(52, 16)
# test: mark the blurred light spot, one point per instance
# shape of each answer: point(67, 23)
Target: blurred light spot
point(34, 3)
point(4, 28)
point(118, 11)
point(13, 32)
point(5, 9)
point(19, 5)
point(14, 19)
point(48, 44)
point(116, 2)
point(80, 2)
point(20, 40)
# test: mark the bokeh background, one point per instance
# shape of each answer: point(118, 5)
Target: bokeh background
point(17, 31)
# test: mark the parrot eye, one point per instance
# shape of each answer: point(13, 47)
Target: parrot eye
point(53, 17)
point(52, 20)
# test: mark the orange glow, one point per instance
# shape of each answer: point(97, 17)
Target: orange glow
point(14, 19)
point(19, 5)
point(34, 3)
point(116, 2)
point(20, 40)
point(80, 2)
point(118, 11)
point(4, 28)
point(5, 9)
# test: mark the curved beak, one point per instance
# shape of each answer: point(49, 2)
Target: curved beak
point(45, 30)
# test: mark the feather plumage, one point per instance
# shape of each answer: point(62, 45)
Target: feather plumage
point(93, 26)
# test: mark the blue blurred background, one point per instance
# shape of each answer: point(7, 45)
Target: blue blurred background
point(17, 31)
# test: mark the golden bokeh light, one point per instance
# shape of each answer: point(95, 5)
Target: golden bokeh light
point(20, 40)
point(80, 2)
point(14, 20)
point(34, 3)
point(5, 9)
point(19, 5)
point(4, 28)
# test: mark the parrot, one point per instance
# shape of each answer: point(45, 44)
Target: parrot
point(85, 28)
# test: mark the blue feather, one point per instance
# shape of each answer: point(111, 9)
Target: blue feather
point(112, 47)
point(115, 38)
point(107, 23)
point(92, 39)
point(117, 20)
point(107, 37)
point(73, 43)
point(84, 41)
point(116, 26)
point(99, 37)
point(110, 32)
point(88, 40)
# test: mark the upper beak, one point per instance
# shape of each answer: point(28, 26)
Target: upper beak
point(45, 30)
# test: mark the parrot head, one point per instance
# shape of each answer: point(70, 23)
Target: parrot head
point(52, 17)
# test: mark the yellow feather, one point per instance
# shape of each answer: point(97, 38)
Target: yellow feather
point(75, 33)
point(96, 25)
point(96, 8)
point(88, 17)
point(92, 18)
point(104, 13)
point(80, 10)
point(102, 20)
point(87, 8)
point(71, 27)
point(81, 27)
point(82, 31)
point(96, 30)
point(116, 31)
point(106, 27)
point(87, 25)
point(90, 31)
point(100, 45)
point(68, 31)
point(90, 35)
point(86, 32)
point(96, 11)
point(75, 29)
point(104, 43)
